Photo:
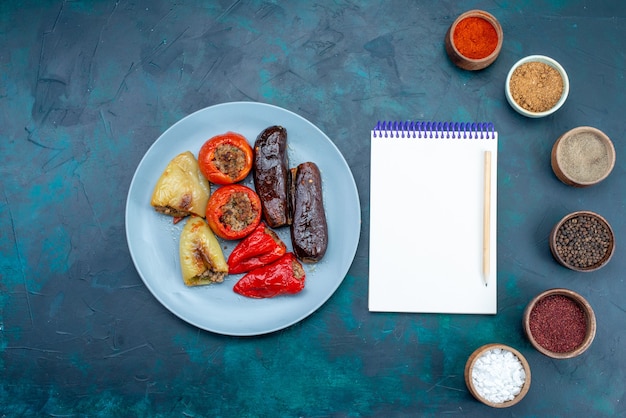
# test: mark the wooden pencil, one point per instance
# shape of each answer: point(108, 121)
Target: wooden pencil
point(487, 218)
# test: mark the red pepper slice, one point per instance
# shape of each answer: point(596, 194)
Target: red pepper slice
point(233, 211)
point(283, 276)
point(259, 248)
point(226, 158)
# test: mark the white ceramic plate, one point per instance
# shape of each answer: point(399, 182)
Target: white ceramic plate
point(153, 238)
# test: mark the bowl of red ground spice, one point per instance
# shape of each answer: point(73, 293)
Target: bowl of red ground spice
point(582, 241)
point(536, 86)
point(560, 323)
point(474, 40)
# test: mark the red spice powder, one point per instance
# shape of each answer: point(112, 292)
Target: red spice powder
point(558, 324)
point(475, 37)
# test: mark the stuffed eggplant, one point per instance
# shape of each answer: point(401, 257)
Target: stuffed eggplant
point(271, 175)
point(309, 230)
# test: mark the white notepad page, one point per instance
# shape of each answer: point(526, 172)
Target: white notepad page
point(426, 223)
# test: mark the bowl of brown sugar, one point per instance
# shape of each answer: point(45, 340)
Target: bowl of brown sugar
point(582, 241)
point(536, 86)
point(559, 323)
point(583, 156)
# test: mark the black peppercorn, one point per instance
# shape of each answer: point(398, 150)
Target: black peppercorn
point(583, 241)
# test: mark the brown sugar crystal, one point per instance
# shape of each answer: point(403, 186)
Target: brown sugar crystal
point(536, 86)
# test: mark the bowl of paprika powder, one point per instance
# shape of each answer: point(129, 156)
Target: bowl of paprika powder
point(559, 323)
point(474, 40)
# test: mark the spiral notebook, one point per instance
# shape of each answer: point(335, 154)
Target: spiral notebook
point(433, 218)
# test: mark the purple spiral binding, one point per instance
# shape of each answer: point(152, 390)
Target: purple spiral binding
point(415, 129)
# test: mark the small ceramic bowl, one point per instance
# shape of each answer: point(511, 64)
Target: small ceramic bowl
point(583, 156)
point(475, 390)
point(550, 323)
point(463, 61)
point(534, 91)
point(582, 241)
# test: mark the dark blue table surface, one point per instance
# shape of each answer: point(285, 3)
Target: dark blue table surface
point(87, 87)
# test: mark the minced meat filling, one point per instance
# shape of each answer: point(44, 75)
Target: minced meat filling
point(238, 212)
point(298, 270)
point(203, 258)
point(168, 210)
point(229, 159)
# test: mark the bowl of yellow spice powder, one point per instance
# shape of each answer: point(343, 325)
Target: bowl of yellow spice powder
point(536, 86)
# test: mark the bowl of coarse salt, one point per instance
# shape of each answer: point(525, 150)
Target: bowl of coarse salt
point(497, 375)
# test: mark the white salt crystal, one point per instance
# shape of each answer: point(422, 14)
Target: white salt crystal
point(498, 375)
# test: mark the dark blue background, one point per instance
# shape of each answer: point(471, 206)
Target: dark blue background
point(85, 89)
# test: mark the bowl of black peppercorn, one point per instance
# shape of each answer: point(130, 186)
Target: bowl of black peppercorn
point(582, 241)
